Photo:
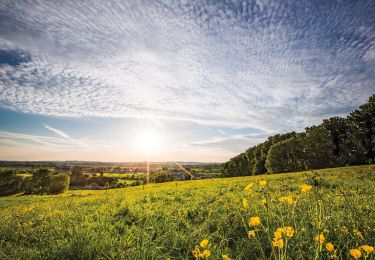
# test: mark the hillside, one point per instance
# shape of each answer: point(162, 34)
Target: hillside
point(170, 220)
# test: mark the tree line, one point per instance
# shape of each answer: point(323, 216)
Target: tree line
point(337, 141)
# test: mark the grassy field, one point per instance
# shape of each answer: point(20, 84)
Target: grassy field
point(269, 219)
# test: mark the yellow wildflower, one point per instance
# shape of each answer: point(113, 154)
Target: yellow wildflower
point(226, 257)
point(330, 247)
point(254, 221)
point(287, 199)
point(249, 186)
point(289, 231)
point(264, 202)
point(263, 183)
point(306, 188)
point(320, 238)
point(358, 234)
point(196, 253)
point(206, 253)
point(355, 253)
point(277, 235)
point(368, 249)
point(303, 229)
point(204, 243)
point(245, 203)
point(278, 243)
point(251, 234)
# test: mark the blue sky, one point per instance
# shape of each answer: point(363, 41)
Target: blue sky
point(86, 80)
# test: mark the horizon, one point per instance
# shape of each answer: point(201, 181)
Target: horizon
point(175, 81)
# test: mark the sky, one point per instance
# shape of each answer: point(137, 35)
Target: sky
point(170, 80)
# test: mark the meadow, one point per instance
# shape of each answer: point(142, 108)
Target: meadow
point(306, 215)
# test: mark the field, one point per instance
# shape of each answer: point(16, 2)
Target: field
point(170, 220)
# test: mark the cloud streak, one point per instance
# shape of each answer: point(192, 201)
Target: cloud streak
point(271, 65)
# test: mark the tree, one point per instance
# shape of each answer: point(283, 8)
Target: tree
point(40, 181)
point(59, 183)
point(10, 183)
point(319, 149)
point(364, 123)
point(77, 177)
point(286, 156)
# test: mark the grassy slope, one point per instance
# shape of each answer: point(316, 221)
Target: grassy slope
point(165, 220)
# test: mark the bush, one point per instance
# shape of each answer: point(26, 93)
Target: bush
point(59, 184)
point(10, 183)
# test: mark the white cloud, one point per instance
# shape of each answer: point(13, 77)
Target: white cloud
point(262, 65)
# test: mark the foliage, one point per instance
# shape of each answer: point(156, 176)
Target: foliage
point(287, 155)
point(10, 183)
point(287, 217)
point(335, 142)
point(40, 181)
point(59, 183)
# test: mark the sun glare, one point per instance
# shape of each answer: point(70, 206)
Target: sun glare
point(149, 142)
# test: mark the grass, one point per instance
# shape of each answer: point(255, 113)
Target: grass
point(169, 220)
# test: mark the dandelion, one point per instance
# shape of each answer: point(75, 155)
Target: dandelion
point(249, 186)
point(251, 234)
point(204, 243)
point(226, 257)
point(254, 221)
point(278, 243)
point(306, 188)
point(245, 203)
point(287, 199)
point(289, 231)
point(303, 229)
point(320, 238)
point(355, 253)
point(206, 253)
point(330, 247)
point(264, 202)
point(368, 249)
point(263, 183)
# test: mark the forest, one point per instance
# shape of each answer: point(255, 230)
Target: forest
point(337, 141)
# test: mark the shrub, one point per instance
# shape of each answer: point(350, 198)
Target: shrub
point(59, 183)
point(10, 183)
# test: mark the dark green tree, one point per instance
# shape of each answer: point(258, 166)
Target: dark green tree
point(286, 156)
point(10, 183)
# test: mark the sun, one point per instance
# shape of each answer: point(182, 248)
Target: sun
point(148, 142)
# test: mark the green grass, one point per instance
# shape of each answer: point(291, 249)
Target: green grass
point(161, 221)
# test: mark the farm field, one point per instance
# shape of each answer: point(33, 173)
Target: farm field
point(265, 217)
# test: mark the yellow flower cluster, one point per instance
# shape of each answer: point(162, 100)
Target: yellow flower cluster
point(251, 234)
point(356, 253)
point(368, 249)
point(358, 234)
point(277, 240)
point(249, 186)
point(330, 247)
point(287, 199)
point(254, 221)
point(263, 183)
point(306, 188)
point(320, 238)
point(202, 254)
point(245, 203)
